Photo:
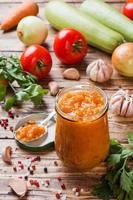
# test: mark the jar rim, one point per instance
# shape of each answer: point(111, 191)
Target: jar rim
point(84, 86)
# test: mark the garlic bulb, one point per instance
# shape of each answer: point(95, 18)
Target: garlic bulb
point(99, 71)
point(122, 103)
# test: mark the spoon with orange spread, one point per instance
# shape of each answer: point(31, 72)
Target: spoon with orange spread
point(33, 130)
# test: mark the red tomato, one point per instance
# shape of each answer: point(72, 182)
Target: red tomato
point(70, 46)
point(128, 9)
point(37, 61)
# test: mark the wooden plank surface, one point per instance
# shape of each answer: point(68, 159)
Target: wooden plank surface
point(118, 126)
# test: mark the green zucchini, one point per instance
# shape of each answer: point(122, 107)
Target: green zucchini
point(110, 17)
point(62, 15)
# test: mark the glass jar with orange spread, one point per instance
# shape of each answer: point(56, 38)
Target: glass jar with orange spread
point(82, 135)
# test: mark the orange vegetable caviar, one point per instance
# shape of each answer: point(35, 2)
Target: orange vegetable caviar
point(30, 131)
point(82, 104)
point(82, 135)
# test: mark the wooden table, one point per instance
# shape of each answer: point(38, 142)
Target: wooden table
point(9, 44)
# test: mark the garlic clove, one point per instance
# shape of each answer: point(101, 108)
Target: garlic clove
point(53, 87)
point(116, 107)
point(124, 108)
point(114, 99)
point(130, 110)
point(6, 155)
point(100, 75)
point(93, 73)
point(19, 186)
point(108, 71)
point(71, 74)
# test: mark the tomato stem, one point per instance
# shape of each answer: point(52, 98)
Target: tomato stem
point(40, 64)
point(77, 46)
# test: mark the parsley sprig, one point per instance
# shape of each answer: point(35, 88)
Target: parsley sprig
point(27, 88)
point(118, 182)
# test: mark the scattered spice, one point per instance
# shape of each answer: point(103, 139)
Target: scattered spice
point(33, 167)
point(59, 178)
point(10, 114)
point(21, 166)
point(47, 183)
point(45, 170)
point(77, 194)
point(76, 190)
point(35, 183)
point(37, 158)
point(31, 172)
point(57, 195)
point(63, 186)
point(14, 169)
point(55, 163)
point(26, 178)
point(11, 128)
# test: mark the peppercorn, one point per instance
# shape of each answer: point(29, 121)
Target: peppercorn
point(26, 177)
point(57, 195)
point(45, 170)
point(55, 163)
point(63, 186)
point(31, 172)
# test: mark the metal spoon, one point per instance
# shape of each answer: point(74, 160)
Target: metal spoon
point(46, 120)
point(40, 123)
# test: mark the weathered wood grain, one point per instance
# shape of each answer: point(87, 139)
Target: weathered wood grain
point(118, 126)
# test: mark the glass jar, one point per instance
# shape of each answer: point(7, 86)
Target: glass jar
point(82, 143)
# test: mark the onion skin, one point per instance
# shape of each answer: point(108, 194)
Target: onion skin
point(122, 59)
point(32, 30)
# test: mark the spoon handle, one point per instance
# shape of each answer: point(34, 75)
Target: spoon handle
point(45, 121)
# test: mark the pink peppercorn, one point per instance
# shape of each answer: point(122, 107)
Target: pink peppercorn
point(59, 178)
point(34, 167)
point(57, 195)
point(37, 158)
point(77, 189)
point(21, 166)
point(63, 186)
point(47, 181)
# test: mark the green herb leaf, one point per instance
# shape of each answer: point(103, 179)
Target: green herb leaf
point(11, 70)
point(115, 147)
point(114, 159)
point(102, 191)
point(130, 138)
point(9, 102)
point(22, 96)
point(126, 181)
point(119, 177)
point(2, 92)
point(36, 92)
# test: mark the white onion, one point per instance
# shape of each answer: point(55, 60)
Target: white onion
point(32, 30)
